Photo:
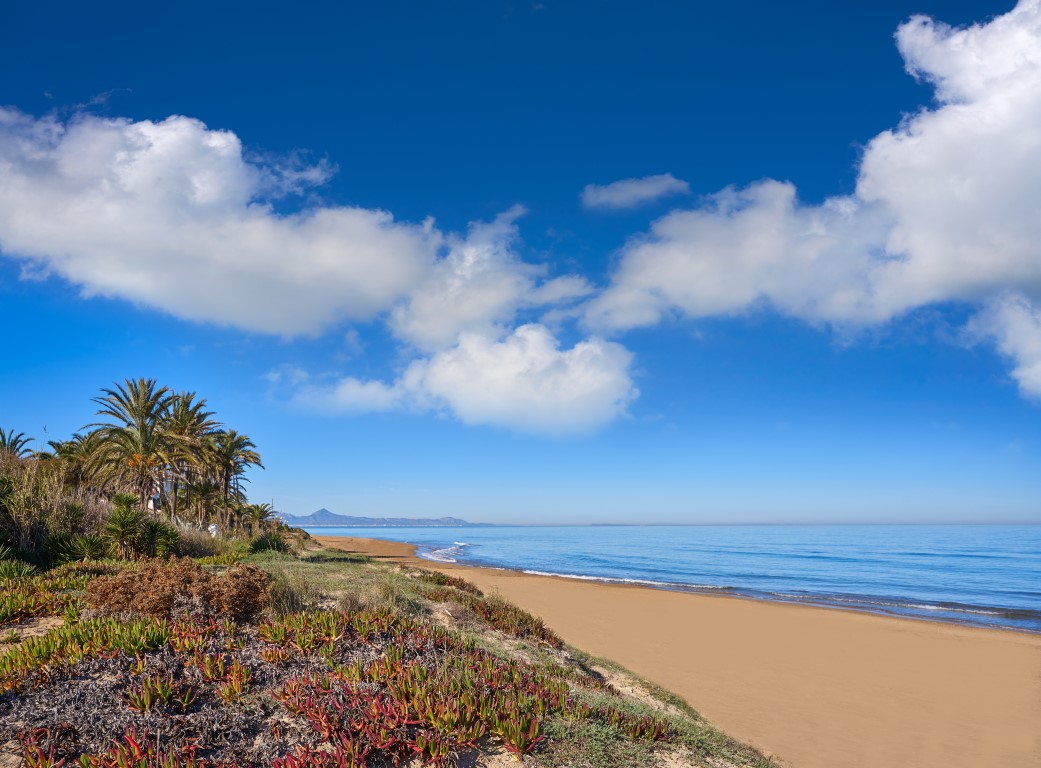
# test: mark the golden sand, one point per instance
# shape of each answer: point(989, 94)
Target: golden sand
point(812, 687)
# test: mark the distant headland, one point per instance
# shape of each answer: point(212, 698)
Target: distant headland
point(323, 517)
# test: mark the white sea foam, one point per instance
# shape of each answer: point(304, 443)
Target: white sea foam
point(446, 555)
point(889, 604)
point(645, 582)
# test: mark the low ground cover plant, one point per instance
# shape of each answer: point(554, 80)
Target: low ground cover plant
point(140, 675)
point(500, 614)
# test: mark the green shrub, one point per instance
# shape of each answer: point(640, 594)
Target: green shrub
point(444, 580)
point(271, 541)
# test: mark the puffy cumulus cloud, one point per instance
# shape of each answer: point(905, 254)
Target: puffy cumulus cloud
point(945, 209)
point(963, 181)
point(352, 395)
point(478, 287)
point(171, 215)
point(527, 382)
point(522, 380)
point(743, 247)
point(629, 193)
point(1015, 326)
point(971, 64)
point(174, 215)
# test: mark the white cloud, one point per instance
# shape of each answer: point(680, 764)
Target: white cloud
point(1015, 325)
point(743, 247)
point(560, 290)
point(629, 193)
point(963, 181)
point(522, 381)
point(354, 396)
point(478, 287)
point(172, 216)
point(970, 64)
point(946, 207)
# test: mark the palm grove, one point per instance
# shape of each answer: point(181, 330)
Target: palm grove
point(156, 465)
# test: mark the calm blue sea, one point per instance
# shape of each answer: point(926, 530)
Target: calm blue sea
point(987, 575)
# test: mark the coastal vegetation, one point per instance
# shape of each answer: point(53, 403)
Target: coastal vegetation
point(312, 658)
point(147, 477)
point(150, 615)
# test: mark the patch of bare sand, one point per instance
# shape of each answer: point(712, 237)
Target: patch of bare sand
point(33, 627)
point(629, 686)
point(10, 755)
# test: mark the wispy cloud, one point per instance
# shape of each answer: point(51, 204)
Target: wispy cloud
point(630, 193)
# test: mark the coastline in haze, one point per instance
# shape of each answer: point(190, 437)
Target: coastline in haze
point(982, 575)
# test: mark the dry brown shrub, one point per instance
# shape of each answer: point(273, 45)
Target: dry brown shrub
point(180, 587)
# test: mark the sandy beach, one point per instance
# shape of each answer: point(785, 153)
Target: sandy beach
point(812, 687)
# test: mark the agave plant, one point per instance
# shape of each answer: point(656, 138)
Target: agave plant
point(122, 531)
point(158, 539)
point(89, 546)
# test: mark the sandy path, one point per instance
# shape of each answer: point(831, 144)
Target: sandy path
point(814, 687)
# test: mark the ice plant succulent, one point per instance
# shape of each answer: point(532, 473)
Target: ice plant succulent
point(371, 687)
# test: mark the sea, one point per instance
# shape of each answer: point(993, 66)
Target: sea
point(982, 575)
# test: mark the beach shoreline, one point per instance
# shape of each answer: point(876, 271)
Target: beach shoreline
point(809, 685)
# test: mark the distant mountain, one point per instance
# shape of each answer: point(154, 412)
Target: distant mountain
point(325, 517)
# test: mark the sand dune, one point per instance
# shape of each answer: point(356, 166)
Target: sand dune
point(813, 687)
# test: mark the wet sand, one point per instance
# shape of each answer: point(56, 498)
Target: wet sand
point(812, 687)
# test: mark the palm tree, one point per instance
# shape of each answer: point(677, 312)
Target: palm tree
point(204, 496)
point(148, 441)
point(134, 445)
point(233, 453)
point(14, 443)
point(190, 428)
point(76, 453)
point(258, 514)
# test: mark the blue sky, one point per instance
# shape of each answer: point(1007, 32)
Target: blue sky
point(550, 262)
